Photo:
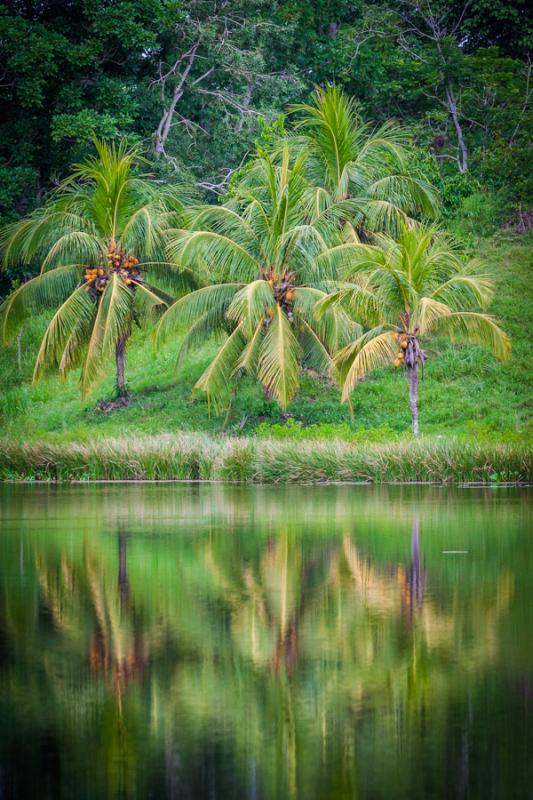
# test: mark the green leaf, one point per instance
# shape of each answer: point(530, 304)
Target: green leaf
point(188, 309)
point(216, 380)
point(37, 295)
point(250, 303)
point(112, 322)
point(278, 366)
point(62, 334)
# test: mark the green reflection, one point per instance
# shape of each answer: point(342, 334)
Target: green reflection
point(217, 641)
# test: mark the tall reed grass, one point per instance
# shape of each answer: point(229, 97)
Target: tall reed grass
point(199, 457)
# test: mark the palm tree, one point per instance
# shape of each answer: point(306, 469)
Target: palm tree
point(405, 290)
point(98, 239)
point(362, 176)
point(268, 268)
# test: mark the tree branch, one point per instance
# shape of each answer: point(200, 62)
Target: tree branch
point(165, 123)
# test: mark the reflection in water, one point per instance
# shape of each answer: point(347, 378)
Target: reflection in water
point(223, 642)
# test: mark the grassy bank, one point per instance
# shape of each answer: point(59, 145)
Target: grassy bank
point(199, 457)
point(465, 391)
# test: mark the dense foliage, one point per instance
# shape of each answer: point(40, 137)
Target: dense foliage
point(98, 239)
point(197, 81)
point(420, 110)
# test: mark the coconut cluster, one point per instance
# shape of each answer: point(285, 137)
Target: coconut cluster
point(284, 293)
point(116, 260)
point(403, 341)
point(410, 352)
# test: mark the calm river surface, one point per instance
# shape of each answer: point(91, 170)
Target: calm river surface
point(220, 642)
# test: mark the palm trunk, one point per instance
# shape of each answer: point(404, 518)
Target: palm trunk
point(413, 395)
point(120, 352)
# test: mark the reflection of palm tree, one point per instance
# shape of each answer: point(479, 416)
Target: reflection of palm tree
point(123, 583)
point(117, 648)
point(432, 626)
point(275, 633)
point(269, 604)
point(413, 584)
point(93, 611)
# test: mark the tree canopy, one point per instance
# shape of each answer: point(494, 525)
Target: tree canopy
point(197, 83)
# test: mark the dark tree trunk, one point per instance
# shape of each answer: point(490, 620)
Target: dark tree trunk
point(412, 372)
point(120, 353)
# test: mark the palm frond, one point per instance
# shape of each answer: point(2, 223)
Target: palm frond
point(150, 302)
point(350, 258)
point(72, 246)
point(225, 221)
point(359, 300)
point(77, 311)
point(216, 380)
point(76, 345)
point(171, 278)
point(198, 333)
point(384, 215)
point(188, 309)
point(387, 144)
point(407, 193)
point(376, 348)
point(222, 255)
point(330, 124)
point(314, 351)
point(250, 303)
point(475, 328)
point(460, 292)
point(331, 327)
point(248, 359)
point(37, 295)
point(277, 365)
point(142, 233)
point(427, 313)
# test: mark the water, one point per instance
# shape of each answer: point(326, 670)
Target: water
point(196, 641)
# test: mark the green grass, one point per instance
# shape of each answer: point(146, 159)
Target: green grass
point(201, 457)
point(465, 392)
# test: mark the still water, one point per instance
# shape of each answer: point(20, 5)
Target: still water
point(220, 642)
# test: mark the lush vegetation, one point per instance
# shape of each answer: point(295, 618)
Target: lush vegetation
point(465, 391)
point(196, 83)
point(98, 222)
point(404, 291)
point(196, 457)
point(288, 267)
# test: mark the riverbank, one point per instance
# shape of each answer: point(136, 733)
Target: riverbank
point(252, 460)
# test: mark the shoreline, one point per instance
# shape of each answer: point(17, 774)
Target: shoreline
point(214, 482)
point(198, 458)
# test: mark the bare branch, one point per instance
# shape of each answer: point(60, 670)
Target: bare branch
point(165, 123)
point(220, 187)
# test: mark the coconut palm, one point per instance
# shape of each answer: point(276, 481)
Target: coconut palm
point(268, 268)
point(404, 291)
point(363, 176)
point(98, 241)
